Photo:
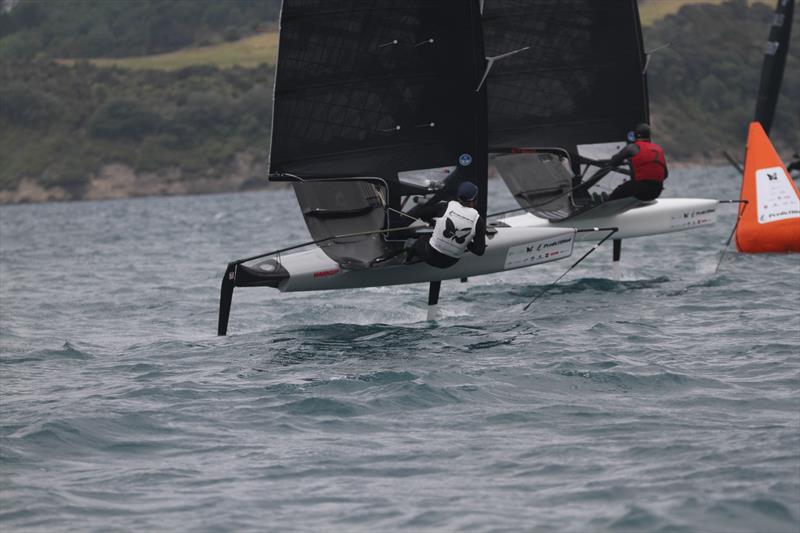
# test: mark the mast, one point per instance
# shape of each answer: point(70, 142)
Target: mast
point(775, 52)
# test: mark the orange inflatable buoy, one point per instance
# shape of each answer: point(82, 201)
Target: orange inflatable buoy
point(770, 221)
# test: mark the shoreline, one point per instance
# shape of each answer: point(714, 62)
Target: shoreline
point(117, 182)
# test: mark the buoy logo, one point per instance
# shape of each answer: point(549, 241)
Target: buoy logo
point(772, 222)
point(776, 197)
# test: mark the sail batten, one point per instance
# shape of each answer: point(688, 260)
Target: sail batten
point(360, 84)
point(585, 60)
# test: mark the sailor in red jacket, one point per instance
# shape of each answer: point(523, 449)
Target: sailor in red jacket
point(648, 166)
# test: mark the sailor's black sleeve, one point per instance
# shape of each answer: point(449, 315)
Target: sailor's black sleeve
point(627, 152)
point(478, 244)
point(429, 212)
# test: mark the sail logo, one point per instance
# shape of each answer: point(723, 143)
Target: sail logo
point(465, 160)
point(771, 48)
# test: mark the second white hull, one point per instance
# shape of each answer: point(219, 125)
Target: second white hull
point(661, 216)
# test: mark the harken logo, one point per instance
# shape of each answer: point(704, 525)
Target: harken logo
point(772, 177)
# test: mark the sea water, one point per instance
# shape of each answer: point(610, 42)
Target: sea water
point(666, 401)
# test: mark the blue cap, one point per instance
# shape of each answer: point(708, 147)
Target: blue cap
point(642, 131)
point(467, 191)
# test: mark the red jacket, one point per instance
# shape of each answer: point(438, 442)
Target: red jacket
point(649, 164)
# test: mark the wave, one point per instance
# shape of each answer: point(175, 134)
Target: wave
point(322, 407)
point(663, 381)
point(756, 514)
point(124, 434)
point(66, 351)
point(577, 286)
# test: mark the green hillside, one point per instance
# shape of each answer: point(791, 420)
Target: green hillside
point(248, 52)
point(651, 11)
point(50, 29)
point(60, 123)
point(703, 87)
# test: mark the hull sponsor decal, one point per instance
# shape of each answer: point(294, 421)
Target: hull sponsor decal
point(540, 251)
point(693, 218)
point(326, 273)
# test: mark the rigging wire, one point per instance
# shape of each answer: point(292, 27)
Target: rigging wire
point(415, 219)
point(611, 231)
point(384, 205)
point(596, 177)
point(733, 231)
point(317, 241)
point(734, 163)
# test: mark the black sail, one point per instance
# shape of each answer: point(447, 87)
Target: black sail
point(775, 52)
point(577, 78)
point(367, 89)
point(375, 87)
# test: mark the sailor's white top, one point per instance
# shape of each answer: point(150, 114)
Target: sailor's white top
point(454, 230)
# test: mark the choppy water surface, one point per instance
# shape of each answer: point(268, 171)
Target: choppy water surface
point(667, 401)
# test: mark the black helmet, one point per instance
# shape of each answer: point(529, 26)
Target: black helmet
point(642, 131)
point(467, 191)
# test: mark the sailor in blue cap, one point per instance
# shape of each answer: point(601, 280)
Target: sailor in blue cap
point(458, 227)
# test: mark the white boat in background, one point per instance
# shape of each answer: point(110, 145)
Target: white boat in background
point(570, 84)
point(632, 217)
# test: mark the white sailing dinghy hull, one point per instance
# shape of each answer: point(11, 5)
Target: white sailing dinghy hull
point(665, 215)
point(506, 249)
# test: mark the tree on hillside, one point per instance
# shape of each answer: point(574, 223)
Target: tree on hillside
point(703, 87)
point(102, 28)
point(65, 122)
